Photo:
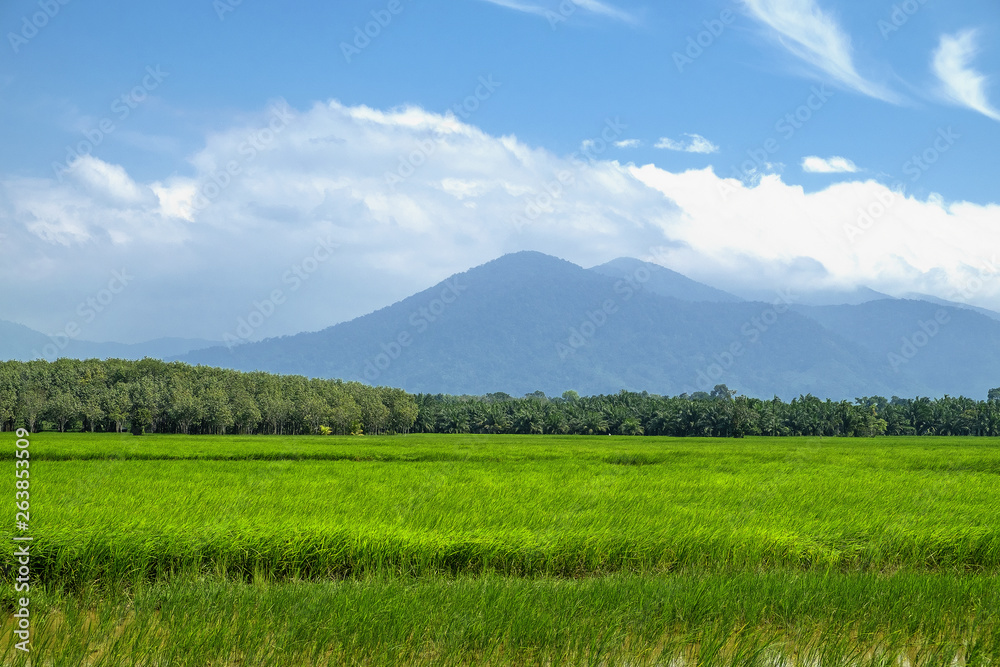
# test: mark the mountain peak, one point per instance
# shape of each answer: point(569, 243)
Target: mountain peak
point(664, 281)
point(527, 259)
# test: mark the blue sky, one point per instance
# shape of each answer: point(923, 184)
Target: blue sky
point(738, 142)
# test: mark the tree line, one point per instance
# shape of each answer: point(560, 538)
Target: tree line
point(717, 414)
point(159, 397)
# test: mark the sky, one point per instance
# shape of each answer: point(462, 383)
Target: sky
point(168, 170)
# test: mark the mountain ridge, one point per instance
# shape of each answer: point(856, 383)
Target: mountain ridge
point(527, 321)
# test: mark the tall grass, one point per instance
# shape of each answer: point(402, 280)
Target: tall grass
point(533, 508)
point(173, 550)
point(690, 618)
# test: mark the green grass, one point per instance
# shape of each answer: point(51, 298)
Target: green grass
point(513, 550)
point(846, 619)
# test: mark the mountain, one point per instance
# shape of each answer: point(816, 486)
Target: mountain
point(17, 341)
point(527, 322)
point(830, 297)
point(663, 281)
point(992, 314)
point(949, 350)
point(20, 343)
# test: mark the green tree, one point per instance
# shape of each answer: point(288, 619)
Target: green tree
point(217, 416)
point(62, 408)
point(117, 405)
point(184, 409)
point(8, 395)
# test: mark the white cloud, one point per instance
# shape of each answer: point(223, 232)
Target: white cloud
point(815, 36)
point(107, 180)
point(856, 233)
point(628, 143)
point(605, 9)
point(593, 6)
point(412, 197)
point(695, 143)
point(830, 165)
point(960, 83)
point(519, 6)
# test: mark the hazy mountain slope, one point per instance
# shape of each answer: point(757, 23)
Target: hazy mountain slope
point(949, 350)
point(20, 343)
point(663, 281)
point(527, 321)
point(992, 314)
point(853, 297)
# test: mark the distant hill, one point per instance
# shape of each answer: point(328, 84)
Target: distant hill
point(830, 297)
point(663, 281)
point(529, 322)
point(992, 314)
point(947, 350)
point(20, 343)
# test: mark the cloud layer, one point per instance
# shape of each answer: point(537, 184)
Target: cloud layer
point(410, 197)
point(347, 209)
point(850, 234)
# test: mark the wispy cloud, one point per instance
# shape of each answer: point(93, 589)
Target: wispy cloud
point(815, 36)
point(830, 165)
point(695, 143)
point(628, 143)
point(593, 6)
point(604, 9)
point(959, 82)
point(519, 6)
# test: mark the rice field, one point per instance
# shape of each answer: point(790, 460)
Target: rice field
point(547, 550)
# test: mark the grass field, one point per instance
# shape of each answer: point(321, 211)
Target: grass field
point(176, 550)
